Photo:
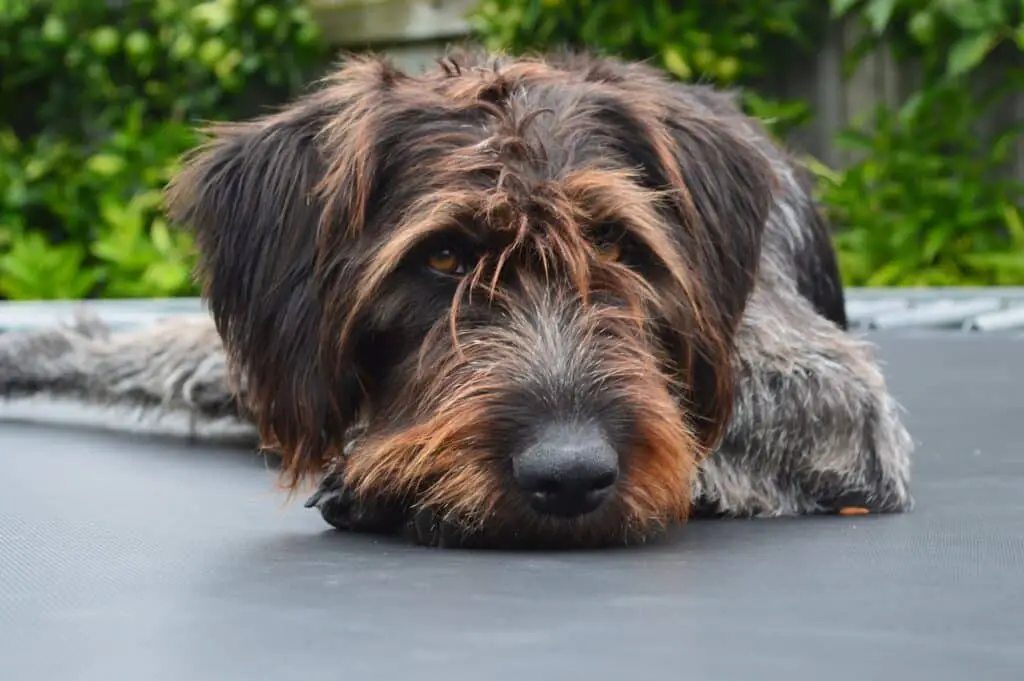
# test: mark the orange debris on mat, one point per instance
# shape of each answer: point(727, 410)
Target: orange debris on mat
point(853, 510)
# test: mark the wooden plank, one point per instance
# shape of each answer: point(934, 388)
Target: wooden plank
point(828, 98)
point(417, 57)
point(361, 23)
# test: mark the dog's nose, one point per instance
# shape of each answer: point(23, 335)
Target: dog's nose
point(568, 472)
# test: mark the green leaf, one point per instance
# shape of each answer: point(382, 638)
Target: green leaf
point(910, 109)
point(105, 165)
point(922, 26)
point(266, 17)
point(935, 241)
point(1007, 262)
point(886, 275)
point(36, 269)
point(214, 15)
point(138, 44)
point(842, 7)
point(105, 40)
point(167, 277)
point(211, 51)
point(968, 52)
point(161, 237)
point(878, 14)
point(1014, 224)
point(54, 29)
point(675, 63)
point(1003, 146)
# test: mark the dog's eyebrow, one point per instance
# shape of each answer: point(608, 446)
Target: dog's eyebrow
point(616, 196)
point(420, 223)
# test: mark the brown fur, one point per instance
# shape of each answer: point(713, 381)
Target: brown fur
point(309, 220)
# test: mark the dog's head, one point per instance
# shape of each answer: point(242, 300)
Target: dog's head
point(520, 277)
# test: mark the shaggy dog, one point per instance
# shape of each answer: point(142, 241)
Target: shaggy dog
point(559, 301)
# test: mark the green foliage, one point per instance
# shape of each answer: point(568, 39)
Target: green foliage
point(721, 41)
point(924, 200)
point(98, 100)
point(927, 201)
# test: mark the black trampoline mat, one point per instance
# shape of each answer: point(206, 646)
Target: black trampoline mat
point(129, 558)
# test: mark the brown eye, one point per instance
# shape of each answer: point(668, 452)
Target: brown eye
point(445, 261)
point(609, 242)
point(609, 251)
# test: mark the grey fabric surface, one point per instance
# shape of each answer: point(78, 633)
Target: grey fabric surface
point(123, 558)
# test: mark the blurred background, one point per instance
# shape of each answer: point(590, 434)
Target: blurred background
point(909, 111)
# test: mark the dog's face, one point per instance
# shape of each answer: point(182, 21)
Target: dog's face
point(518, 282)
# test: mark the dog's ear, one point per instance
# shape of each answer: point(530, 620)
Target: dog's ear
point(249, 196)
point(724, 186)
point(696, 143)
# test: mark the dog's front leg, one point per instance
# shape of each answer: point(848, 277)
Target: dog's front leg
point(341, 509)
point(814, 428)
point(344, 511)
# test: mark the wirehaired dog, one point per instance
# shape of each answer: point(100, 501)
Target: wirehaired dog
point(558, 301)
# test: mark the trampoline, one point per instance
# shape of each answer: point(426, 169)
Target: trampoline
point(130, 557)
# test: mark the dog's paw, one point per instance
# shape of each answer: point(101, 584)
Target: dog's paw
point(334, 502)
point(867, 470)
point(856, 502)
point(878, 484)
point(428, 528)
point(342, 510)
point(880, 480)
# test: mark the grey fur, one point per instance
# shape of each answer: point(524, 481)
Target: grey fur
point(814, 428)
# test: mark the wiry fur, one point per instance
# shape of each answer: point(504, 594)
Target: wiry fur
point(716, 358)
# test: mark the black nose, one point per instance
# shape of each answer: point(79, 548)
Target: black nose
point(569, 471)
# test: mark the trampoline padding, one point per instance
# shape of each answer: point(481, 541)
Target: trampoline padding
point(129, 558)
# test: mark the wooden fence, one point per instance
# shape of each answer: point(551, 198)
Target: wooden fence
point(416, 32)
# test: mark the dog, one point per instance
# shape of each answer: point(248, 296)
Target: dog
point(511, 301)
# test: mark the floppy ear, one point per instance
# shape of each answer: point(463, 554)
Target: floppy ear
point(249, 196)
point(696, 143)
point(726, 190)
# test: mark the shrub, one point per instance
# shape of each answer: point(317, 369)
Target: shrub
point(724, 41)
point(98, 100)
point(927, 201)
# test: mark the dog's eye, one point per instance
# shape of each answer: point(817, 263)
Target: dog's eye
point(446, 261)
point(608, 240)
point(609, 251)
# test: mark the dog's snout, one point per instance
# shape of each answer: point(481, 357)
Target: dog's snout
point(569, 471)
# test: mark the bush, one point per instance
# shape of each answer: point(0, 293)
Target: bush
point(98, 100)
point(924, 203)
point(725, 41)
point(928, 203)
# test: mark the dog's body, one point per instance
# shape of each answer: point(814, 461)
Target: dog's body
point(558, 301)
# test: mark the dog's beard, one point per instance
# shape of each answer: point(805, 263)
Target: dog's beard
point(509, 524)
point(444, 476)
